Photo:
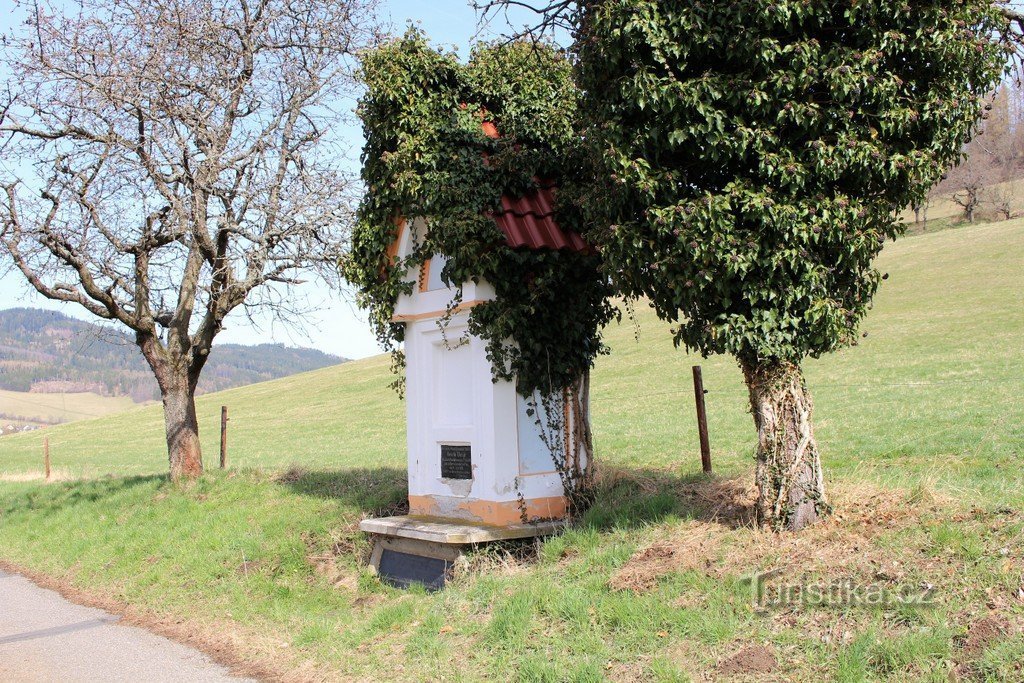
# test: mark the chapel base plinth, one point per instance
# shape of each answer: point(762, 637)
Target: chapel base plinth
point(412, 549)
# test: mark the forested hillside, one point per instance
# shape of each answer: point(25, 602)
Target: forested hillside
point(49, 352)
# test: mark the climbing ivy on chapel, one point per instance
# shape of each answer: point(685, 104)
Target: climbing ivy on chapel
point(427, 156)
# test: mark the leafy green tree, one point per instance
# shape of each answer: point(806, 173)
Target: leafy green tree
point(747, 162)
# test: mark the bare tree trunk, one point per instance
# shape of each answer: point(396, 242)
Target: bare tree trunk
point(791, 488)
point(178, 383)
point(182, 426)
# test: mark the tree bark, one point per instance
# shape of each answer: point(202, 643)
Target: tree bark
point(790, 484)
point(182, 427)
point(177, 379)
point(578, 474)
point(581, 446)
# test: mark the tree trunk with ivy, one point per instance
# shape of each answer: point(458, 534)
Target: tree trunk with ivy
point(562, 418)
point(790, 484)
point(581, 467)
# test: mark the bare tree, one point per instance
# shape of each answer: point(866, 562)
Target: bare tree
point(544, 19)
point(921, 211)
point(1002, 144)
point(992, 159)
point(967, 182)
point(168, 161)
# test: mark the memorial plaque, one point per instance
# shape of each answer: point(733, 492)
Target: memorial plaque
point(456, 462)
point(404, 569)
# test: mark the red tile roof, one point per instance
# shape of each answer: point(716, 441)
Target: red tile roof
point(490, 130)
point(529, 221)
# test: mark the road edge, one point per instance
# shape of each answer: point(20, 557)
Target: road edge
point(217, 647)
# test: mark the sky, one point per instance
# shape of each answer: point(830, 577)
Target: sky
point(334, 324)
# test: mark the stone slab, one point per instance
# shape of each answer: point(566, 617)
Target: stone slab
point(454, 532)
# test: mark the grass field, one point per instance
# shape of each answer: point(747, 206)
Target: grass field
point(20, 407)
point(922, 430)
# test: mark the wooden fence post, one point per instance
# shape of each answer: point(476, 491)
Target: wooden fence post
point(702, 419)
point(223, 437)
point(46, 457)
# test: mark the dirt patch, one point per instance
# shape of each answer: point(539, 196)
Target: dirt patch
point(635, 671)
point(339, 577)
point(249, 567)
point(292, 475)
point(756, 659)
point(983, 634)
point(641, 573)
point(730, 502)
point(840, 545)
point(330, 565)
point(725, 542)
point(692, 546)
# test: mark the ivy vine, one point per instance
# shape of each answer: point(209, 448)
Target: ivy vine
point(427, 156)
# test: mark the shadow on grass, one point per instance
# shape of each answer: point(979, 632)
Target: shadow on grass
point(60, 495)
point(379, 492)
point(630, 498)
point(626, 498)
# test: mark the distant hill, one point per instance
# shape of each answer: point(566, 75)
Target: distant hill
point(48, 352)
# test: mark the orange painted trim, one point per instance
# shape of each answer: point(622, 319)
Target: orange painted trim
point(495, 513)
point(464, 306)
point(392, 251)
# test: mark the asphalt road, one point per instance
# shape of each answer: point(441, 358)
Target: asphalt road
point(44, 637)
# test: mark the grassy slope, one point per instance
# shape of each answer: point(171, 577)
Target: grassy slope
point(50, 408)
point(935, 377)
point(927, 406)
point(342, 415)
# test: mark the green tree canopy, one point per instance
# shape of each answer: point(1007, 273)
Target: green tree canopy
point(749, 159)
point(753, 156)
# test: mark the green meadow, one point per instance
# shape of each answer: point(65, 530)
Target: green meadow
point(921, 426)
